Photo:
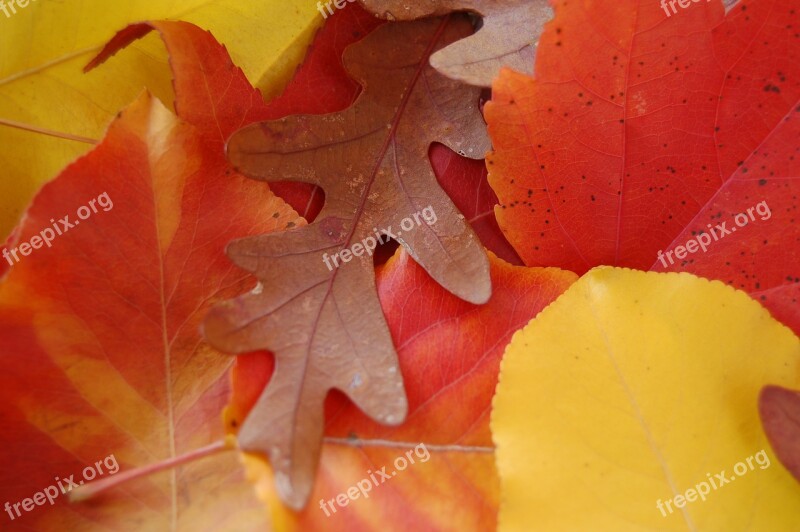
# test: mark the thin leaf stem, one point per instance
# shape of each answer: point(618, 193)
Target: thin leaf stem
point(92, 489)
point(43, 131)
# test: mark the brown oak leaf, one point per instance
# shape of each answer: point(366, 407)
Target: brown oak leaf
point(321, 317)
point(507, 38)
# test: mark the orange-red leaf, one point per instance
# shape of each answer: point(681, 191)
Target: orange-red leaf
point(465, 182)
point(641, 132)
point(99, 334)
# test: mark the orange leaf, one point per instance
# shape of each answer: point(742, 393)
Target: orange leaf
point(100, 332)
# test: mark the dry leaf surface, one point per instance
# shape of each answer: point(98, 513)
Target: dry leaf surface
point(321, 317)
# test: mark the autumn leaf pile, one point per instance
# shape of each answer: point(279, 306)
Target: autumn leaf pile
point(594, 311)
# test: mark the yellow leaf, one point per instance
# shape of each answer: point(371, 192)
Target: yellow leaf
point(46, 44)
point(633, 388)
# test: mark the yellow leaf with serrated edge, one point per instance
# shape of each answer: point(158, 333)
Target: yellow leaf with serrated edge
point(45, 45)
point(632, 389)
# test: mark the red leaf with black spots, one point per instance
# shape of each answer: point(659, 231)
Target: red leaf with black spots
point(641, 133)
